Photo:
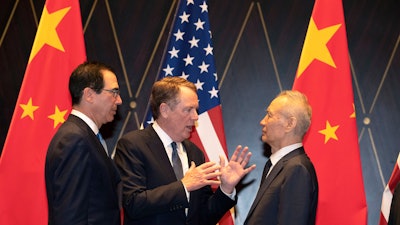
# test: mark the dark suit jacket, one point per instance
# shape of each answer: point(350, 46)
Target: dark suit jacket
point(81, 180)
point(151, 193)
point(289, 195)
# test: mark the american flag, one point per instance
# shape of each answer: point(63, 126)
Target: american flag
point(388, 193)
point(189, 54)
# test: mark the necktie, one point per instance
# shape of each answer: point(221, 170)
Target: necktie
point(103, 142)
point(266, 170)
point(176, 162)
point(263, 185)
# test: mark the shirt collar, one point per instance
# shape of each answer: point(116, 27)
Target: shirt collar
point(165, 139)
point(275, 157)
point(86, 119)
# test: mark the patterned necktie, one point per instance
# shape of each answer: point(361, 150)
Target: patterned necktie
point(176, 162)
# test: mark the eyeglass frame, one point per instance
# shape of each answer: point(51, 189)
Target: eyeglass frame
point(115, 92)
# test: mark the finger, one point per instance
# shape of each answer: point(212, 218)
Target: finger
point(236, 153)
point(192, 165)
point(249, 169)
point(206, 165)
point(211, 169)
point(213, 175)
point(221, 161)
point(213, 182)
point(243, 154)
point(246, 159)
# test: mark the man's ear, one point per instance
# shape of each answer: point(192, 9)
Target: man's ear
point(88, 95)
point(291, 123)
point(164, 108)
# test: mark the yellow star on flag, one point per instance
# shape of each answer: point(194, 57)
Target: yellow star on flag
point(58, 116)
point(315, 46)
point(47, 33)
point(28, 109)
point(329, 132)
point(353, 115)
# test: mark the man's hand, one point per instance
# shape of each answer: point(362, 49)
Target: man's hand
point(235, 170)
point(200, 176)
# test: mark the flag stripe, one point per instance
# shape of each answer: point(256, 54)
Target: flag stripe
point(209, 138)
point(388, 193)
point(215, 115)
point(395, 178)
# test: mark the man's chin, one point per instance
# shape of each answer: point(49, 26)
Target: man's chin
point(187, 135)
point(264, 139)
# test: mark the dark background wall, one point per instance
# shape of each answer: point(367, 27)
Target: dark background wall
point(257, 45)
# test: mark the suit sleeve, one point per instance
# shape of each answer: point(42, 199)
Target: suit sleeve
point(206, 207)
point(69, 171)
point(147, 190)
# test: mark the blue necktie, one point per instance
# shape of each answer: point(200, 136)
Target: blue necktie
point(103, 142)
point(176, 162)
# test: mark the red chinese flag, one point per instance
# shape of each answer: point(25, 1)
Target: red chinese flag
point(332, 143)
point(43, 104)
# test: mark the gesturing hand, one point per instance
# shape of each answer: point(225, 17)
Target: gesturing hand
point(235, 170)
point(200, 176)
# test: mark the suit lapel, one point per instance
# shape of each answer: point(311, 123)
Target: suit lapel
point(267, 182)
point(272, 175)
point(82, 125)
point(156, 146)
point(106, 160)
point(190, 153)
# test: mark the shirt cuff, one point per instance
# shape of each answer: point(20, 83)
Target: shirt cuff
point(232, 195)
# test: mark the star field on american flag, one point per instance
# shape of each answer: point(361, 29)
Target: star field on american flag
point(190, 53)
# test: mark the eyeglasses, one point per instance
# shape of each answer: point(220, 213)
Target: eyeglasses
point(114, 92)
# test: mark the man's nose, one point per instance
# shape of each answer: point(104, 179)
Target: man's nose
point(119, 100)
